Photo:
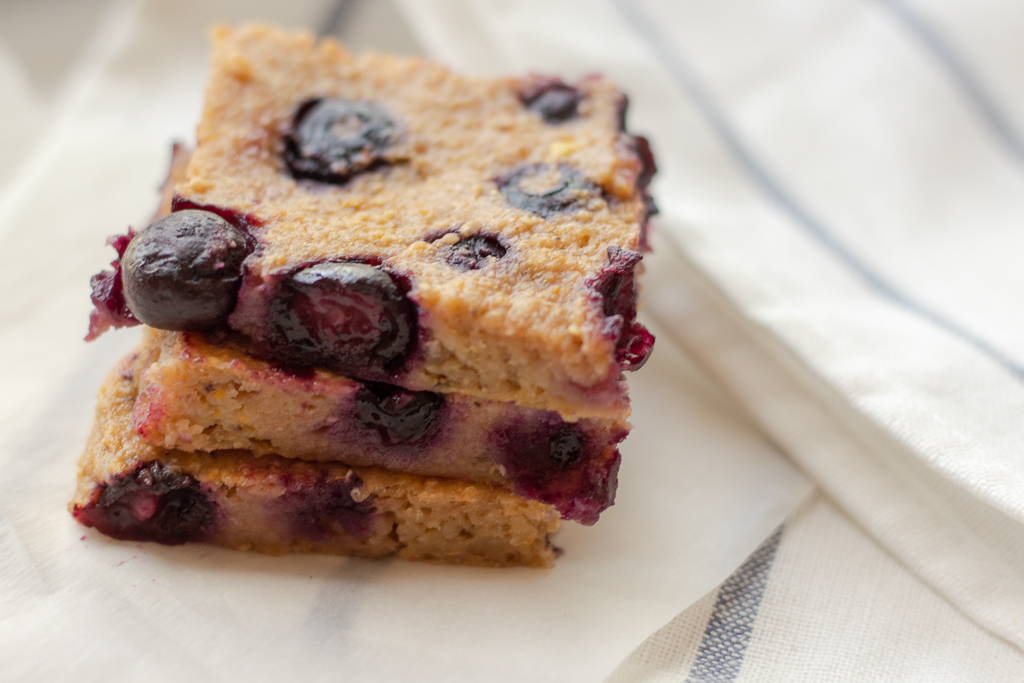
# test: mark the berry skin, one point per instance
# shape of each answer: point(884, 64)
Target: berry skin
point(333, 139)
point(183, 271)
point(567, 445)
point(615, 286)
point(152, 503)
point(547, 189)
point(400, 417)
point(108, 293)
point(348, 317)
point(473, 252)
point(555, 101)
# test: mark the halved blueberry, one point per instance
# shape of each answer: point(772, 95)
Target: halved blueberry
point(348, 317)
point(547, 189)
point(472, 252)
point(399, 416)
point(555, 101)
point(152, 503)
point(183, 271)
point(332, 139)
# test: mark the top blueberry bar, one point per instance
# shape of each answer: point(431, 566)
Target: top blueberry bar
point(389, 220)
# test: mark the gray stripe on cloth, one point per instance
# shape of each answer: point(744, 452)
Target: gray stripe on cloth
point(758, 172)
point(965, 78)
point(728, 632)
point(336, 18)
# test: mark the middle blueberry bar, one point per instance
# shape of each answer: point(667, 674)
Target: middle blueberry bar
point(197, 395)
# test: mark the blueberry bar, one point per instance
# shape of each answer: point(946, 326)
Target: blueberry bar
point(131, 490)
point(393, 222)
point(195, 395)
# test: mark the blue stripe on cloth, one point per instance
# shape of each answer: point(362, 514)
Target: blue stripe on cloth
point(721, 651)
point(965, 78)
point(676, 66)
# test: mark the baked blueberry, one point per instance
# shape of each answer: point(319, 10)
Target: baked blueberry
point(567, 445)
point(634, 347)
point(647, 165)
point(152, 503)
point(399, 416)
point(348, 317)
point(472, 252)
point(108, 293)
point(183, 271)
point(555, 101)
point(547, 189)
point(615, 285)
point(331, 139)
point(319, 507)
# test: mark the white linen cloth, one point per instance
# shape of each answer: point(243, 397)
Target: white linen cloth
point(700, 485)
point(842, 194)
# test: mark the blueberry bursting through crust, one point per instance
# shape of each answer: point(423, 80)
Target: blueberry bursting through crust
point(348, 317)
point(332, 139)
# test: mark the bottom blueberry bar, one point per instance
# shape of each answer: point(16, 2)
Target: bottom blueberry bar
point(132, 490)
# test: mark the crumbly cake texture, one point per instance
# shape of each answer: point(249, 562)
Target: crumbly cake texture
point(132, 490)
point(529, 326)
point(198, 396)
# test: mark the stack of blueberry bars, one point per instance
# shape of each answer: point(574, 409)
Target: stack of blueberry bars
point(387, 310)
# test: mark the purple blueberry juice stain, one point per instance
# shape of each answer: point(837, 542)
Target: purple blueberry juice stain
point(151, 503)
point(615, 287)
point(616, 283)
point(320, 507)
point(647, 170)
point(648, 167)
point(569, 466)
point(248, 223)
point(111, 309)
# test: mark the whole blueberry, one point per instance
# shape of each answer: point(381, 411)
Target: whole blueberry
point(348, 317)
point(399, 416)
point(547, 189)
point(332, 139)
point(555, 101)
point(183, 271)
point(567, 445)
point(472, 252)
